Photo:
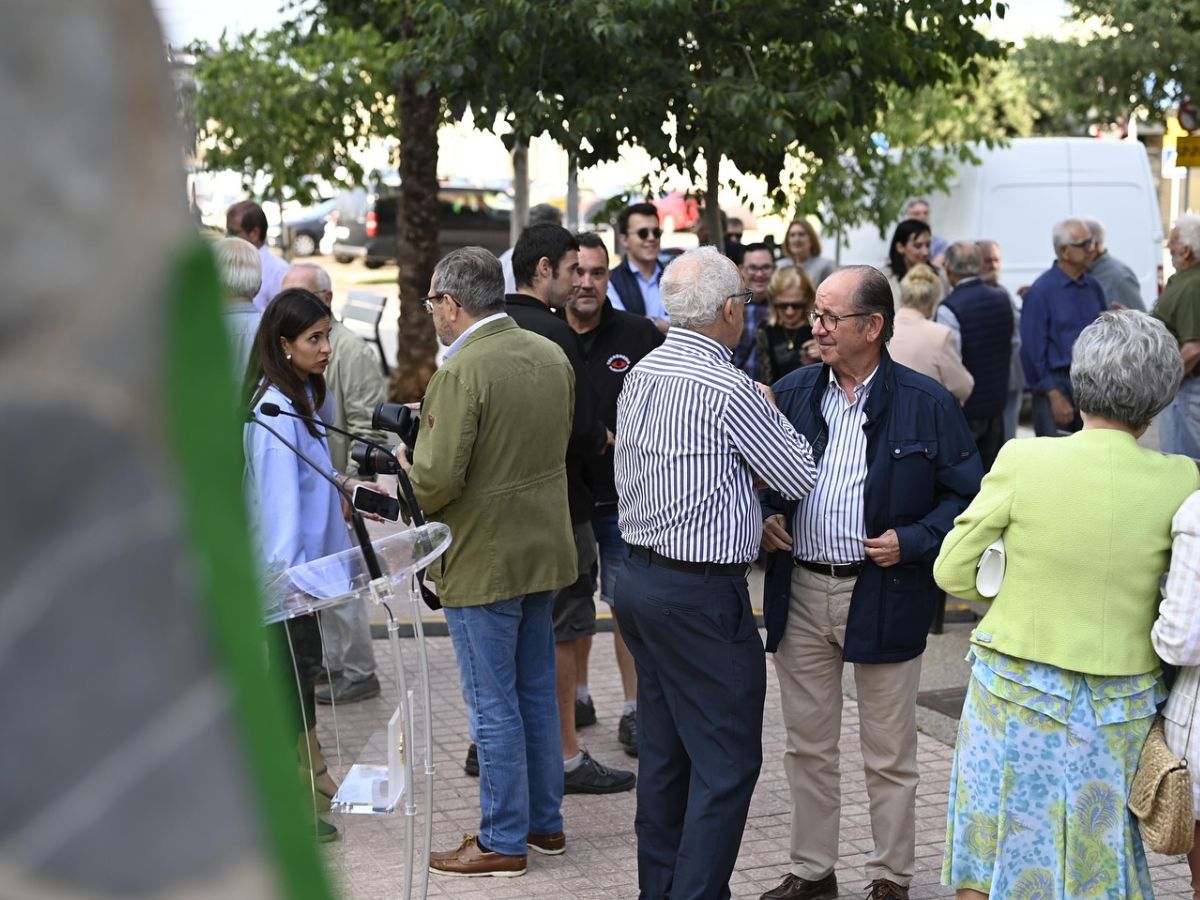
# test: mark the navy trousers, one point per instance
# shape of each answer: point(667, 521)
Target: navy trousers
point(702, 680)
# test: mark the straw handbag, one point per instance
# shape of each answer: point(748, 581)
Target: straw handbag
point(1161, 794)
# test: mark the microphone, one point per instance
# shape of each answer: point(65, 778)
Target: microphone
point(356, 519)
point(274, 409)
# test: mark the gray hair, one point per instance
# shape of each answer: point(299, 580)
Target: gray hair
point(964, 259)
point(238, 266)
point(920, 289)
point(473, 277)
point(1059, 234)
point(319, 275)
point(911, 202)
point(1188, 226)
point(696, 285)
point(1126, 367)
point(545, 214)
point(1096, 228)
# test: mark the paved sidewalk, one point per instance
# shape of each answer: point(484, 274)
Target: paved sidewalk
point(601, 862)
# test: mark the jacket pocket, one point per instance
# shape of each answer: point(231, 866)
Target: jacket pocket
point(913, 477)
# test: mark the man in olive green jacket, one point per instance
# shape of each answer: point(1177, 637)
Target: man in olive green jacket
point(489, 462)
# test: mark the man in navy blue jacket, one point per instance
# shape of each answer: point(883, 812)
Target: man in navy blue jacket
point(852, 580)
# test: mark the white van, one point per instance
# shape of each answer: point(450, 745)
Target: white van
point(1017, 193)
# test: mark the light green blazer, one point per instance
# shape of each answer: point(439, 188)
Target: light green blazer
point(490, 463)
point(1086, 522)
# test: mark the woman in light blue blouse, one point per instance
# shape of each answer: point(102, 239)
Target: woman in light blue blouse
point(297, 513)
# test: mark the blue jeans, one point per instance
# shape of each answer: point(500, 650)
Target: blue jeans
point(1043, 417)
point(505, 653)
point(1179, 423)
point(612, 552)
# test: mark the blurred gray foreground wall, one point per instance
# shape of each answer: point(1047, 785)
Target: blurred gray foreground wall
point(118, 769)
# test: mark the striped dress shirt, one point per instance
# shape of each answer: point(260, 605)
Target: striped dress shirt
point(829, 524)
point(692, 434)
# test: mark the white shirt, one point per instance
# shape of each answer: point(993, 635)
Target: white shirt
point(273, 270)
point(830, 522)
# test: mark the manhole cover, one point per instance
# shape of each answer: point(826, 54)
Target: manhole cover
point(948, 701)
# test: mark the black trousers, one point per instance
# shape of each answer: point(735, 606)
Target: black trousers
point(702, 681)
point(294, 651)
point(989, 438)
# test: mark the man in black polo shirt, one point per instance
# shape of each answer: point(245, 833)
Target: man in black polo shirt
point(545, 267)
point(612, 341)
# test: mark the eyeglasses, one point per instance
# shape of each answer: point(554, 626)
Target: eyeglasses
point(790, 305)
point(644, 233)
point(744, 296)
point(829, 321)
point(761, 270)
point(1082, 245)
point(434, 299)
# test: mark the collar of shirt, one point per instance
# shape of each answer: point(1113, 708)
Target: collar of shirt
point(637, 273)
point(860, 390)
point(1062, 279)
point(461, 339)
point(698, 343)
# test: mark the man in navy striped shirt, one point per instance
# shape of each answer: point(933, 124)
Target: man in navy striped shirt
point(694, 437)
point(853, 581)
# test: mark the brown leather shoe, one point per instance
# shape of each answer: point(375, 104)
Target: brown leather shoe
point(793, 887)
point(548, 844)
point(468, 861)
point(882, 889)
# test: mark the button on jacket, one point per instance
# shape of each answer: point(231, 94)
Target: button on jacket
point(922, 471)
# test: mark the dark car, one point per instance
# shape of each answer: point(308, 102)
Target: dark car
point(466, 217)
point(306, 227)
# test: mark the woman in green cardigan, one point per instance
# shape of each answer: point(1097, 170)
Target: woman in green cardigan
point(1064, 679)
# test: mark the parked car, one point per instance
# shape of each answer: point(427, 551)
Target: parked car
point(466, 217)
point(306, 227)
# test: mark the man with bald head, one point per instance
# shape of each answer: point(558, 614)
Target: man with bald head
point(355, 386)
point(852, 581)
point(1063, 301)
point(694, 435)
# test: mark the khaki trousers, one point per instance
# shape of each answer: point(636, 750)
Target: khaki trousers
point(809, 665)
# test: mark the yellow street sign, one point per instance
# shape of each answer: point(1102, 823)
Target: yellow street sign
point(1189, 152)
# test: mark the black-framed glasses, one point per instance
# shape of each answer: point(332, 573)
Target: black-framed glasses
point(434, 299)
point(1082, 245)
point(744, 296)
point(800, 305)
point(761, 270)
point(644, 233)
point(829, 321)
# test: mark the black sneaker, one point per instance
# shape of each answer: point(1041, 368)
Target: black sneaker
point(585, 713)
point(627, 733)
point(595, 778)
point(346, 691)
point(471, 766)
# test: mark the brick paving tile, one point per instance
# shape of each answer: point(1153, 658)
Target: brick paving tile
point(367, 862)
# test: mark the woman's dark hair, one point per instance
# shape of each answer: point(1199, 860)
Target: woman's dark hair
point(902, 235)
point(289, 315)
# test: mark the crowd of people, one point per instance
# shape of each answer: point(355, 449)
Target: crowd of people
point(652, 429)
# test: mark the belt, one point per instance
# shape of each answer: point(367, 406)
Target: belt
point(837, 570)
point(692, 568)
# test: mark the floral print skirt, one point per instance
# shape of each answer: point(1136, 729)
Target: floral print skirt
point(1041, 774)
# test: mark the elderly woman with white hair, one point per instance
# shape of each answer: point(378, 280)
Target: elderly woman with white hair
point(239, 270)
point(929, 347)
point(1065, 680)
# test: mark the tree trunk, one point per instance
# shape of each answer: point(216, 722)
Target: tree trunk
point(416, 240)
point(520, 214)
point(712, 207)
point(572, 193)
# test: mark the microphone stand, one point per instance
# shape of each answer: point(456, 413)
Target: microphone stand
point(378, 588)
point(273, 409)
